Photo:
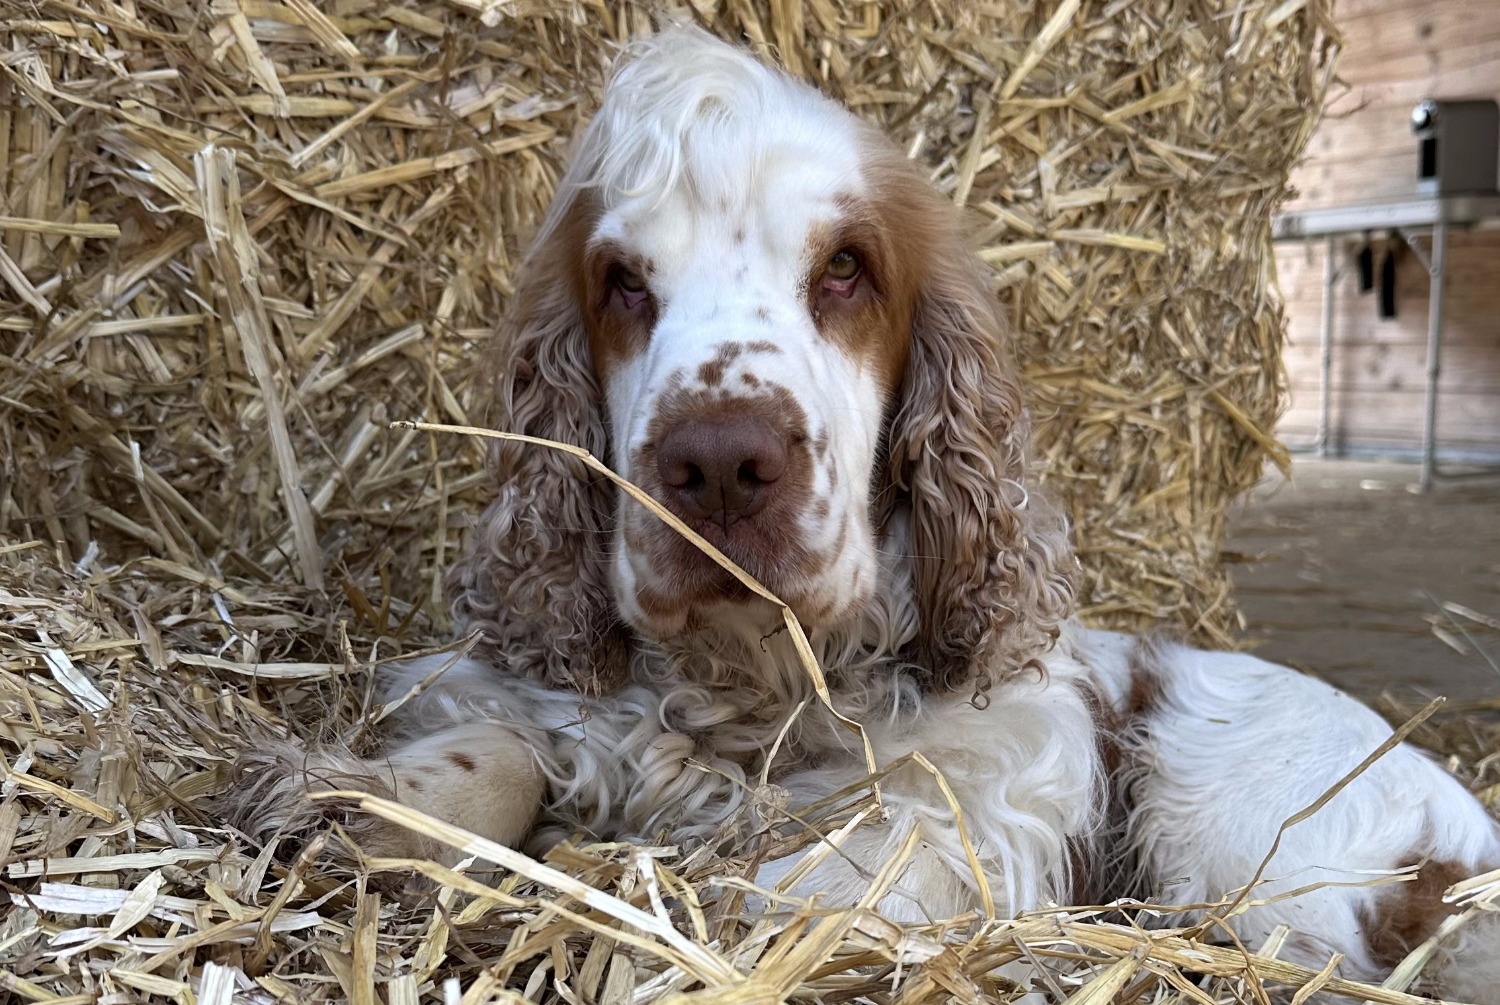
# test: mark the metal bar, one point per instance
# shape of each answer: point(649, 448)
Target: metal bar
point(1325, 380)
point(1417, 249)
point(1400, 214)
point(1434, 354)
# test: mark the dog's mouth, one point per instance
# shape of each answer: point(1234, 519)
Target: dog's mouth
point(680, 587)
point(773, 558)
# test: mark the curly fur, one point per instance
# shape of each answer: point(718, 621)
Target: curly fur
point(534, 581)
point(991, 562)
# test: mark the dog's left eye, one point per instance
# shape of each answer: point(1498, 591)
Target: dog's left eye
point(843, 266)
point(842, 272)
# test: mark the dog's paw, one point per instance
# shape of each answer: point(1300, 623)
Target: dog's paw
point(271, 796)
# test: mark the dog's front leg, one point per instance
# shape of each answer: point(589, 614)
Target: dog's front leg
point(482, 776)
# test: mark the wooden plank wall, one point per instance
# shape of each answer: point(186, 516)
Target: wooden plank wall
point(1397, 52)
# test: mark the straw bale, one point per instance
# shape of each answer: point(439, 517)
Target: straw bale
point(238, 239)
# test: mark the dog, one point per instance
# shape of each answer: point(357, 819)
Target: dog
point(758, 310)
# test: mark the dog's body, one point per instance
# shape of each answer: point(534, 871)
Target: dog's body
point(758, 311)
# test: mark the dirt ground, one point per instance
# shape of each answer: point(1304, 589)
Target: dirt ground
point(1355, 569)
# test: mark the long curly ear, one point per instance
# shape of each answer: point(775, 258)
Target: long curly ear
point(991, 563)
point(534, 579)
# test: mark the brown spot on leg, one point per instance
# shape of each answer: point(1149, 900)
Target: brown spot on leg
point(760, 344)
point(462, 760)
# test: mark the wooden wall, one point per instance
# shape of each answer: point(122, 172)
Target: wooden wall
point(1397, 52)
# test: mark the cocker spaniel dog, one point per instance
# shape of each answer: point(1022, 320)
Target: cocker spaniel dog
point(755, 308)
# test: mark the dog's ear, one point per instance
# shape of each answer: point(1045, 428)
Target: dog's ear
point(534, 579)
point(991, 567)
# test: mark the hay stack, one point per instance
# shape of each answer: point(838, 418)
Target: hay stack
point(377, 170)
point(1132, 188)
point(237, 238)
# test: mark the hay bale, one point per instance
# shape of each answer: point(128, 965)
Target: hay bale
point(377, 171)
point(237, 239)
point(1132, 198)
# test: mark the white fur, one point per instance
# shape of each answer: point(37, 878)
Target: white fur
point(618, 765)
point(1468, 969)
point(1237, 745)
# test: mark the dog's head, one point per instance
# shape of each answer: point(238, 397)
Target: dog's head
point(752, 305)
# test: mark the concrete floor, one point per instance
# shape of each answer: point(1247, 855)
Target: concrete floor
point(1353, 569)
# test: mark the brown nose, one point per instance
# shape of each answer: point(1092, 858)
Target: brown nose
point(721, 470)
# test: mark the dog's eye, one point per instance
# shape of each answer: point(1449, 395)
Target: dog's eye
point(631, 281)
point(843, 266)
point(632, 286)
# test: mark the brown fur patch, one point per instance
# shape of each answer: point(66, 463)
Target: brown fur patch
point(843, 538)
point(461, 760)
point(1145, 686)
point(992, 579)
point(761, 345)
point(711, 373)
point(658, 606)
point(1406, 914)
point(616, 333)
point(894, 237)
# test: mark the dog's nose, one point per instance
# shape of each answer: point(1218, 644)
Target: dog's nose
point(723, 470)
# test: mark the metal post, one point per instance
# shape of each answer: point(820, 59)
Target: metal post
point(1325, 380)
point(1434, 352)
